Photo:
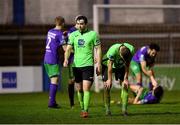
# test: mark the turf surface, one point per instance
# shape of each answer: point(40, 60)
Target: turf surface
point(30, 108)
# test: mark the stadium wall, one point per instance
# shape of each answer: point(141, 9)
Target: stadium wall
point(44, 11)
point(21, 79)
point(6, 11)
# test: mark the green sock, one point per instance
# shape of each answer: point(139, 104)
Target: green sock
point(107, 98)
point(80, 98)
point(86, 100)
point(124, 98)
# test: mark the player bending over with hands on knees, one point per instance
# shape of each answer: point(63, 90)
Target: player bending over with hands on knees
point(117, 61)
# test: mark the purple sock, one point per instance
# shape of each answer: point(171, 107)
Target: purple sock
point(52, 94)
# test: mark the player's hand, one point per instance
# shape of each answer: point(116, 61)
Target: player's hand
point(108, 84)
point(98, 69)
point(125, 83)
point(154, 82)
point(65, 64)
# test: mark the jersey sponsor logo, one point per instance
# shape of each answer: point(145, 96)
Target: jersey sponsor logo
point(81, 43)
point(9, 80)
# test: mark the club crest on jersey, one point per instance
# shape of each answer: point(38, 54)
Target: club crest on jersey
point(81, 42)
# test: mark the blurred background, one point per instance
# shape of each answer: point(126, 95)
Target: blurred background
point(24, 24)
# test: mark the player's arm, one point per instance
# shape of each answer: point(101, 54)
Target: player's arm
point(108, 83)
point(154, 82)
point(64, 40)
point(64, 47)
point(144, 69)
point(67, 54)
point(126, 75)
point(98, 58)
point(149, 73)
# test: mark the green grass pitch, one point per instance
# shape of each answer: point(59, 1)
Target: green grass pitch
point(30, 108)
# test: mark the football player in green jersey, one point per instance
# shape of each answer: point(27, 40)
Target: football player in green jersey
point(83, 41)
point(117, 60)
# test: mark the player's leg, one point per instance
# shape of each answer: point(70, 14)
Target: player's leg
point(119, 74)
point(87, 94)
point(80, 94)
point(78, 80)
point(124, 98)
point(88, 74)
point(107, 96)
point(52, 91)
point(71, 92)
point(71, 86)
point(53, 73)
point(136, 72)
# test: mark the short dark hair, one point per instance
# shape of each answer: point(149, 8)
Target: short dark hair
point(154, 46)
point(158, 92)
point(59, 20)
point(77, 17)
point(81, 17)
point(126, 54)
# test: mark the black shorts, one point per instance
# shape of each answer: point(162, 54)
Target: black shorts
point(118, 72)
point(83, 73)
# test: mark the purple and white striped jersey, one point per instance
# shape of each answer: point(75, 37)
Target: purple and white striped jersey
point(54, 40)
point(141, 54)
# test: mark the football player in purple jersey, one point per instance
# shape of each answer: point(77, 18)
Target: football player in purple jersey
point(145, 96)
point(143, 62)
point(54, 41)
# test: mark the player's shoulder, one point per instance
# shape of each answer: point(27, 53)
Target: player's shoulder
point(144, 48)
point(114, 48)
point(55, 31)
point(92, 32)
point(116, 45)
point(75, 32)
point(72, 29)
point(130, 47)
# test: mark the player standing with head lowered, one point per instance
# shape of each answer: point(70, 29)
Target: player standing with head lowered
point(83, 41)
point(143, 61)
point(54, 41)
point(117, 61)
